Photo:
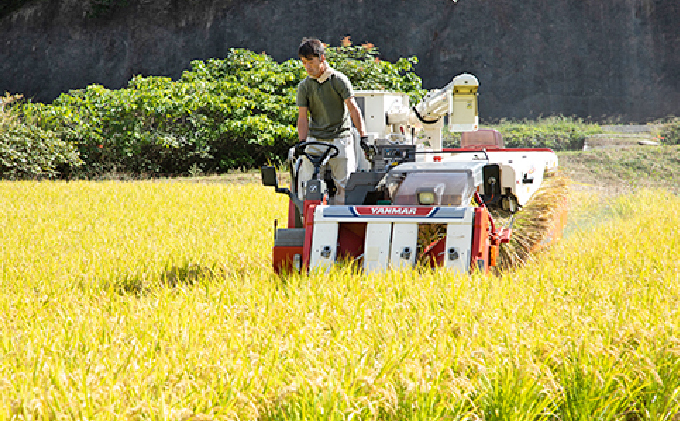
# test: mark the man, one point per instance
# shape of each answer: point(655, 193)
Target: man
point(325, 101)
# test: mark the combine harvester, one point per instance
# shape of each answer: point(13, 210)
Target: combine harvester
point(413, 201)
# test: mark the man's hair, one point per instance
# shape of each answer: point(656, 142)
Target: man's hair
point(311, 47)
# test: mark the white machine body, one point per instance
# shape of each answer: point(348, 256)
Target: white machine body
point(392, 234)
point(388, 115)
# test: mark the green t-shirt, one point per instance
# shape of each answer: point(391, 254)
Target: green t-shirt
point(328, 115)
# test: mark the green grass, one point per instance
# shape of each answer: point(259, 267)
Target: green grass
point(552, 124)
point(556, 132)
point(625, 168)
point(142, 300)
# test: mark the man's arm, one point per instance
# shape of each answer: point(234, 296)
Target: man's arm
point(355, 114)
point(303, 123)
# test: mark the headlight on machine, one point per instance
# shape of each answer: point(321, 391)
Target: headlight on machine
point(426, 196)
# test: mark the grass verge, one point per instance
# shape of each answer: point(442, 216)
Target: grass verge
point(616, 171)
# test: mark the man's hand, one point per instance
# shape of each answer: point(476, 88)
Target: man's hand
point(369, 150)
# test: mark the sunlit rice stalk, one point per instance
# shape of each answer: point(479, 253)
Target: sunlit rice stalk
point(536, 223)
point(150, 300)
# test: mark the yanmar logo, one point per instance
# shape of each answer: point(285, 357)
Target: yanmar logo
point(393, 211)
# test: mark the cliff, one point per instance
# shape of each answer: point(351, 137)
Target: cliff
point(590, 58)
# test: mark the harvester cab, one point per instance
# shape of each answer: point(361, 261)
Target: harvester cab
point(413, 201)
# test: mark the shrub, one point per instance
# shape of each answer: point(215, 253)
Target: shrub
point(366, 70)
point(557, 133)
point(157, 126)
point(28, 151)
point(238, 112)
point(670, 133)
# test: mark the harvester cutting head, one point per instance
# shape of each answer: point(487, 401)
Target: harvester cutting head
point(409, 204)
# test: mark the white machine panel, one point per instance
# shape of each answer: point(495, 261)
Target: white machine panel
point(404, 244)
point(459, 244)
point(463, 114)
point(376, 104)
point(389, 230)
point(377, 245)
point(324, 244)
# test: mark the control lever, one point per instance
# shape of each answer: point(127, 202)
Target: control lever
point(369, 150)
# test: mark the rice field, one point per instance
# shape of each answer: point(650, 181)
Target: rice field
point(143, 300)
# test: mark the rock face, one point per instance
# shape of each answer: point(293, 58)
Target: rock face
point(590, 58)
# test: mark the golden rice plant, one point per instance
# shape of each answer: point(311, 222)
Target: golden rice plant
point(537, 224)
point(157, 301)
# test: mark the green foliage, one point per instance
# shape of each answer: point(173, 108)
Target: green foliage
point(364, 68)
point(28, 151)
point(557, 133)
point(648, 166)
point(238, 112)
point(670, 134)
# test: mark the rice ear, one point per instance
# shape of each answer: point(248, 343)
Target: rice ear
point(538, 224)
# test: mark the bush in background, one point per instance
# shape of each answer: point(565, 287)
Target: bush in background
point(363, 66)
point(670, 133)
point(558, 133)
point(222, 114)
point(238, 112)
point(29, 151)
